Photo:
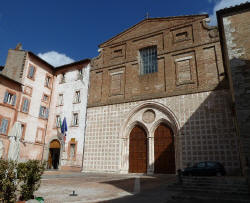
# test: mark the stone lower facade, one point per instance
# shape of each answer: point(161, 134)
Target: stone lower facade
point(201, 123)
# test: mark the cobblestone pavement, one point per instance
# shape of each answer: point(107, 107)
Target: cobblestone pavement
point(92, 187)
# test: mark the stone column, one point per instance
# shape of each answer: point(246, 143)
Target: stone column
point(150, 169)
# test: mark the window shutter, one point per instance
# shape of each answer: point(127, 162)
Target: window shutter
point(14, 100)
point(1, 127)
point(47, 113)
point(40, 112)
point(25, 105)
point(4, 125)
point(31, 73)
point(6, 97)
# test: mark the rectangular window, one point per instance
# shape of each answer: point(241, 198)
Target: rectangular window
point(44, 112)
point(31, 72)
point(58, 121)
point(4, 126)
point(75, 119)
point(25, 105)
point(60, 100)
point(40, 135)
point(23, 128)
point(77, 97)
point(148, 60)
point(9, 98)
point(62, 78)
point(72, 150)
point(47, 81)
point(80, 74)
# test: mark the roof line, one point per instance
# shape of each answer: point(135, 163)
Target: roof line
point(43, 61)
point(4, 76)
point(74, 63)
point(148, 19)
point(235, 8)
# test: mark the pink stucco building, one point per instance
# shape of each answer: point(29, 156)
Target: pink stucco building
point(29, 94)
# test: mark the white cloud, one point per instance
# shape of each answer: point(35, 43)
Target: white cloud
point(220, 4)
point(56, 59)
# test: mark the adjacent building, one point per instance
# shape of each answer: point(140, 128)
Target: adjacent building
point(233, 24)
point(31, 91)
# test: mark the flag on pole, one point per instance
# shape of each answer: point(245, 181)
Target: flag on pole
point(64, 128)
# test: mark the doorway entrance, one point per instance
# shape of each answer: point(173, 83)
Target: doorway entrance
point(54, 154)
point(138, 150)
point(164, 151)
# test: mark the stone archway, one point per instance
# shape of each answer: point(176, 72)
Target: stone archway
point(54, 154)
point(147, 115)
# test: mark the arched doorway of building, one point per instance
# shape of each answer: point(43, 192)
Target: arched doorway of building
point(164, 151)
point(54, 154)
point(138, 150)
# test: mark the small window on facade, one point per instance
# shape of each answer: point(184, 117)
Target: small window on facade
point(31, 72)
point(80, 74)
point(25, 106)
point(44, 112)
point(22, 130)
point(4, 126)
point(77, 97)
point(72, 150)
point(45, 97)
point(60, 101)
point(75, 119)
point(9, 98)
point(47, 81)
point(62, 78)
point(148, 60)
point(58, 121)
point(80, 71)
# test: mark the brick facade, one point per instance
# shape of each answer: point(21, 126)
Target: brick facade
point(189, 93)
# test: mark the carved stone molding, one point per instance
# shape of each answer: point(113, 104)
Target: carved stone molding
point(212, 30)
point(148, 116)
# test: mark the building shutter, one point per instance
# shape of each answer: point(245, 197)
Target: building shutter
point(4, 125)
point(40, 112)
point(31, 72)
point(6, 97)
point(1, 127)
point(14, 100)
point(25, 105)
point(47, 113)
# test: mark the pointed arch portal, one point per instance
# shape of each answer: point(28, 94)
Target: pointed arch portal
point(138, 150)
point(164, 151)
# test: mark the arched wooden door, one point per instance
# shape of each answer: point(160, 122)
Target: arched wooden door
point(138, 150)
point(164, 151)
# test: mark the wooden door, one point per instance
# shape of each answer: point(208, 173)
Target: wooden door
point(138, 150)
point(164, 150)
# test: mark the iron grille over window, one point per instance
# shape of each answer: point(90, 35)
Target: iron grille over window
point(148, 60)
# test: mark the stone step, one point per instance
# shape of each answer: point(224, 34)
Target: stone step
point(228, 190)
point(224, 190)
point(206, 197)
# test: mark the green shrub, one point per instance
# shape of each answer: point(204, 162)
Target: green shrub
point(8, 181)
point(30, 173)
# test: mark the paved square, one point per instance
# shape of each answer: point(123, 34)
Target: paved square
point(57, 186)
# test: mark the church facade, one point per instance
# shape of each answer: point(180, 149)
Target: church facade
point(159, 100)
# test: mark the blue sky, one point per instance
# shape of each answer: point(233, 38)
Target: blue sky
point(65, 31)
